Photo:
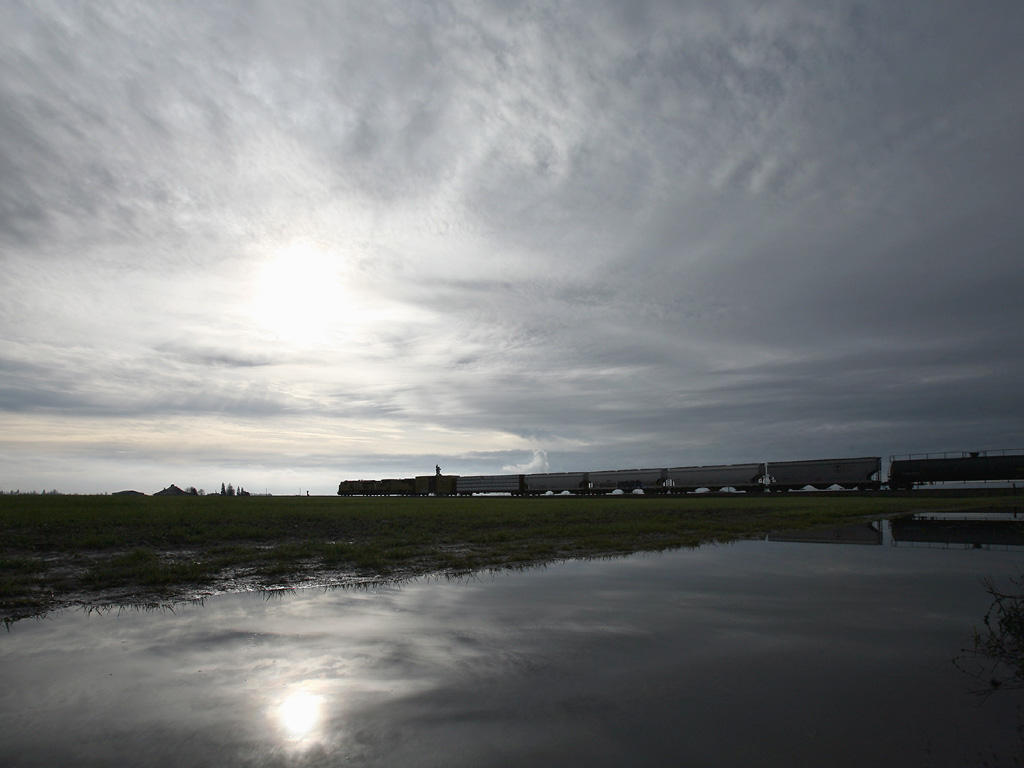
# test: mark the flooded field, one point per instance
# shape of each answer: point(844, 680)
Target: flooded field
point(834, 649)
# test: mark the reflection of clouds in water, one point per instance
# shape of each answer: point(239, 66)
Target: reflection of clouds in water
point(578, 657)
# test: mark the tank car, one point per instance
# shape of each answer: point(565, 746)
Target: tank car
point(964, 467)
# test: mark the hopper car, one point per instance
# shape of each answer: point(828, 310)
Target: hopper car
point(860, 473)
point(740, 477)
point(555, 482)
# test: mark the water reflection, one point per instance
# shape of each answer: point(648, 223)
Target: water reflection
point(754, 654)
point(299, 715)
point(869, 533)
point(965, 530)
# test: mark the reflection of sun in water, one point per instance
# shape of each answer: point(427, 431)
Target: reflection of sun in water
point(300, 714)
point(300, 294)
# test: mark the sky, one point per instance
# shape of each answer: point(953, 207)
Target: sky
point(282, 244)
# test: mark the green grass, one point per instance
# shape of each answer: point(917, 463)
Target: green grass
point(60, 549)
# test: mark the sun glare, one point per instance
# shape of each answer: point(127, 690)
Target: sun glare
point(301, 295)
point(299, 715)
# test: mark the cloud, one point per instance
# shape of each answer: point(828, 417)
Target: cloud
point(636, 234)
point(539, 463)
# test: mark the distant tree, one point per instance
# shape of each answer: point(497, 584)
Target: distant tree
point(231, 490)
point(191, 490)
point(202, 492)
point(223, 490)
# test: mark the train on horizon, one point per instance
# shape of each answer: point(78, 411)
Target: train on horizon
point(858, 473)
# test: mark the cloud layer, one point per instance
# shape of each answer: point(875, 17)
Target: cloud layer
point(296, 242)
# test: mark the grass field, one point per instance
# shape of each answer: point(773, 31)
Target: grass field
point(62, 550)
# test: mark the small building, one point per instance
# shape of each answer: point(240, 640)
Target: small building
point(171, 490)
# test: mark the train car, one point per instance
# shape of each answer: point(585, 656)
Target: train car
point(468, 485)
point(742, 477)
point(437, 485)
point(606, 481)
point(359, 488)
point(964, 467)
point(387, 487)
point(861, 472)
point(398, 487)
point(350, 487)
point(555, 482)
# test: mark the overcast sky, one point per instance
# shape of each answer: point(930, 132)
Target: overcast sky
point(282, 244)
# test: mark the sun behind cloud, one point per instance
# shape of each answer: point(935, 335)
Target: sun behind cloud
point(301, 295)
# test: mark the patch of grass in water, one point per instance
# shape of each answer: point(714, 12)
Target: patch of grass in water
point(21, 579)
point(145, 568)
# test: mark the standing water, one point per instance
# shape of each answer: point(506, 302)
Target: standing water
point(832, 652)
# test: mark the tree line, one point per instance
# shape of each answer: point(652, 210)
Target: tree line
point(225, 490)
point(230, 490)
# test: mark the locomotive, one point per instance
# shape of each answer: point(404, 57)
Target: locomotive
point(860, 473)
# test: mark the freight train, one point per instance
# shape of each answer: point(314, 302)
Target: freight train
point(861, 473)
